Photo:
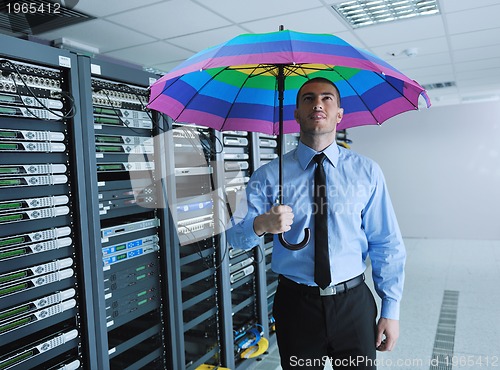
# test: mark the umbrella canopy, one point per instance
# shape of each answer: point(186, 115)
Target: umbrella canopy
point(250, 83)
point(234, 86)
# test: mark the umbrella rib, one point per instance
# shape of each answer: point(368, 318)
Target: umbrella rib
point(236, 97)
point(360, 98)
point(300, 67)
point(403, 95)
point(165, 87)
point(376, 73)
point(198, 92)
point(267, 68)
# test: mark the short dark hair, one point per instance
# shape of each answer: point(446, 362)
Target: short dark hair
point(318, 79)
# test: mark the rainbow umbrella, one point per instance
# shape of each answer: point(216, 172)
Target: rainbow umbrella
point(250, 83)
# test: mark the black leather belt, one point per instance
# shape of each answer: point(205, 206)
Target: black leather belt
point(316, 290)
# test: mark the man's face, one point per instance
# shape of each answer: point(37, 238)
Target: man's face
point(318, 111)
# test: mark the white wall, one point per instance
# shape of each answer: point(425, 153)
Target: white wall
point(442, 167)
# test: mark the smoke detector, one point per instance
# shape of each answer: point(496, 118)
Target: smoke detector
point(410, 52)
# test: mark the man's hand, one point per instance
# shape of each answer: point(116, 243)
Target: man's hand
point(276, 221)
point(389, 328)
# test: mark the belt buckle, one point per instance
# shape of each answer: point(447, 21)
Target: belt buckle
point(329, 290)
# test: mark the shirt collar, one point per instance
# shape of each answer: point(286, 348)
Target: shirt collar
point(305, 154)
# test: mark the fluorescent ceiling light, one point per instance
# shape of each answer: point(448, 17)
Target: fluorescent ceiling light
point(360, 13)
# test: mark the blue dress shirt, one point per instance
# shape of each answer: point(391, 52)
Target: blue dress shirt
point(362, 220)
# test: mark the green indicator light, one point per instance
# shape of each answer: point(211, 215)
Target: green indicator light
point(142, 302)
point(14, 312)
point(112, 121)
point(7, 99)
point(142, 293)
point(14, 253)
point(15, 205)
point(9, 218)
point(14, 324)
point(8, 134)
point(109, 167)
point(121, 247)
point(19, 358)
point(5, 110)
point(102, 148)
point(108, 139)
point(12, 289)
point(140, 268)
point(140, 277)
point(11, 241)
point(8, 146)
point(6, 182)
point(14, 276)
point(104, 111)
point(7, 170)
point(121, 257)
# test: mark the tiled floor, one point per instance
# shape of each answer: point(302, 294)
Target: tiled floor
point(469, 267)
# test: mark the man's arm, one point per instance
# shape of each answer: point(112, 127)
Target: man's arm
point(388, 255)
point(255, 214)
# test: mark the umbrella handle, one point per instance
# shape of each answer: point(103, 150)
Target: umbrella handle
point(295, 247)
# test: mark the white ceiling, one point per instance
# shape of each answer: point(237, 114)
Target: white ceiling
point(462, 44)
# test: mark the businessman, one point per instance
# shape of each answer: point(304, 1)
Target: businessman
point(323, 308)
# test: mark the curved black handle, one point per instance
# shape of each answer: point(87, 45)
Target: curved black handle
point(296, 247)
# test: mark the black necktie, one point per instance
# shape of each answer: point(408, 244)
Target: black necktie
point(322, 275)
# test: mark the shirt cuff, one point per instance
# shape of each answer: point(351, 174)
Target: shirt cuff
point(250, 238)
point(390, 309)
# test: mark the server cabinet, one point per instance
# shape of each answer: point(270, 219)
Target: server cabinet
point(45, 313)
point(195, 245)
point(129, 222)
point(240, 285)
point(267, 150)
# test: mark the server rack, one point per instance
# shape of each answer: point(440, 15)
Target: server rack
point(195, 247)
point(268, 150)
point(45, 315)
point(242, 287)
point(118, 180)
point(129, 223)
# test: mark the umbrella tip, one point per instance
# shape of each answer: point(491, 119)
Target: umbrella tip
point(282, 28)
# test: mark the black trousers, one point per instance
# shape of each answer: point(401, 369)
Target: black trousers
point(311, 328)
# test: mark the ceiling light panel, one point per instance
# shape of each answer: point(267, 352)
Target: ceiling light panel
point(360, 13)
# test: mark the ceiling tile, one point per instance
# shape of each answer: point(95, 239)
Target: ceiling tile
point(170, 19)
point(402, 31)
point(475, 39)
point(466, 55)
point(480, 85)
point(439, 98)
point(99, 8)
point(409, 63)
point(467, 31)
point(200, 41)
point(435, 74)
point(166, 67)
point(352, 39)
point(459, 5)
point(424, 47)
point(243, 11)
point(442, 91)
point(487, 74)
point(151, 54)
point(101, 34)
point(319, 21)
point(478, 65)
point(473, 19)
